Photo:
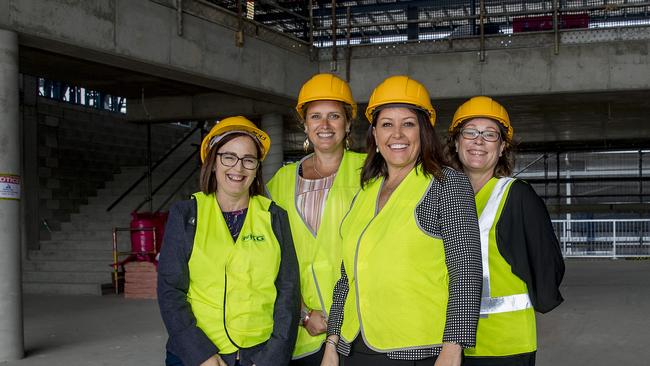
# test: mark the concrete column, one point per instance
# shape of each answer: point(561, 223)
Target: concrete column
point(273, 125)
point(11, 317)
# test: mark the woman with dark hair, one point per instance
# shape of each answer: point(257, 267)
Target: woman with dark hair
point(228, 277)
point(410, 284)
point(316, 192)
point(522, 262)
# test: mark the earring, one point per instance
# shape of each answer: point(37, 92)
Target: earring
point(347, 143)
point(377, 149)
point(305, 145)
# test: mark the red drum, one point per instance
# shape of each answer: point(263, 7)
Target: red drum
point(142, 241)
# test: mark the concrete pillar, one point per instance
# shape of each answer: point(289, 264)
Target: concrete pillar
point(273, 125)
point(11, 317)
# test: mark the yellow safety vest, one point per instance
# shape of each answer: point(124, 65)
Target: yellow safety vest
point(507, 322)
point(398, 280)
point(319, 254)
point(243, 271)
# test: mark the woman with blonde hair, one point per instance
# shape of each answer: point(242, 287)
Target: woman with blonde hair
point(316, 192)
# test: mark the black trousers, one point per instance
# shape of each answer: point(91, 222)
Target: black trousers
point(230, 359)
point(311, 360)
point(524, 359)
point(361, 355)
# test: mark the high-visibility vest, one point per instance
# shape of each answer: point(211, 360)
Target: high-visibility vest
point(507, 322)
point(398, 280)
point(319, 254)
point(232, 284)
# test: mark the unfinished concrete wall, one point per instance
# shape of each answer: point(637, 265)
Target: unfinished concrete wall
point(78, 151)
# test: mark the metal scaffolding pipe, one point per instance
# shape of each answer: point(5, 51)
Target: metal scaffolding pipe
point(11, 315)
point(470, 17)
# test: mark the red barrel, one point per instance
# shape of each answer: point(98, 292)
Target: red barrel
point(143, 240)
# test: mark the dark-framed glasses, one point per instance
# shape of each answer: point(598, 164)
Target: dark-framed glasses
point(230, 160)
point(473, 134)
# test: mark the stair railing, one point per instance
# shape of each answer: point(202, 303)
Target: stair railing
point(178, 188)
point(151, 168)
point(180, 166)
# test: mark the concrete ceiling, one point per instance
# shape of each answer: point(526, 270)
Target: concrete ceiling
point(573, 121)
point(613, 119)
point(100, 77)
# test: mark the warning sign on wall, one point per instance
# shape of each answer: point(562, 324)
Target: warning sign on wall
point(9, 187)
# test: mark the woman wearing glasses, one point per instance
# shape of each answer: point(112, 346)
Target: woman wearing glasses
point(228, 277)
point(522, 262)
point(316, 192)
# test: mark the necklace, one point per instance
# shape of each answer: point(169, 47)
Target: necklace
point(313, 158)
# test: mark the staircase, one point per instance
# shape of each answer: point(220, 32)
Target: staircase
point(77, 258)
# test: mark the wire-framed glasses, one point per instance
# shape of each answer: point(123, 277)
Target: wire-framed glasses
point(473, 134)
point(230, 160)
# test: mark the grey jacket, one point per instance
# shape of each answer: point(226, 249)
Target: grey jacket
point(186, 340)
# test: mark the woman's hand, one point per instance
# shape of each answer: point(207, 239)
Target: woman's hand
point(215, 360)
point(317, 323)
point(330, 356)
point(451, 355)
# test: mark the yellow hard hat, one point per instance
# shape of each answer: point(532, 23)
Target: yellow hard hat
point(235, 124)
point(482, 107)
point(325, 87)
point(401, 90)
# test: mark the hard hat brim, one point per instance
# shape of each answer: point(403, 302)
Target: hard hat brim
point(259, 136)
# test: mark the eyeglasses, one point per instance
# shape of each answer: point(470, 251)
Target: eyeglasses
point(230, 160)
point(473, 134)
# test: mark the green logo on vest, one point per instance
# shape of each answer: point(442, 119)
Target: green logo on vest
point(253, 237)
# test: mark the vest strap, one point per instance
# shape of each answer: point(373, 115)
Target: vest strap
point(492, 305)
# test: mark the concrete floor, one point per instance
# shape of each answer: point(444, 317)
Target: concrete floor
point(605, 320)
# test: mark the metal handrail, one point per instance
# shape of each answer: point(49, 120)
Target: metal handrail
point(117, 253)
point(612, 238)
point(178, 188)
point(153, 167)
point(168, 178)
point(599, 220)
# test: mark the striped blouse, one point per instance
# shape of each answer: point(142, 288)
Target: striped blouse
point(311, 195)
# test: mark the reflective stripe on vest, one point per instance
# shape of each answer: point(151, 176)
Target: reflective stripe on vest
point(489, 304)
point(398, 280)
point(319, 254)
point(244, 271)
